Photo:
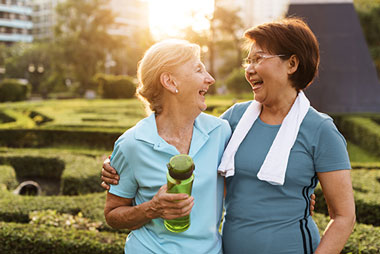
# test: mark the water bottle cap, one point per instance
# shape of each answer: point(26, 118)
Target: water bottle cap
point(181, 166)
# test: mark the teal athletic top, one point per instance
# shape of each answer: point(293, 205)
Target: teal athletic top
point(272, 219)
point(140, 156)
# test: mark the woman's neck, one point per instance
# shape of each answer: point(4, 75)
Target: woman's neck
point(176, 129)
point(276, 112)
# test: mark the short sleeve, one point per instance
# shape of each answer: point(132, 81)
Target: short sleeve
point(127, 186)
point(330, 149)
point(227, 114)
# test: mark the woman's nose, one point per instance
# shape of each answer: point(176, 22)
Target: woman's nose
point(250, 69)
point(209, 79)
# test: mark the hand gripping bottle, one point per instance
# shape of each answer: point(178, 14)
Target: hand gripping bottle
point(180, 180)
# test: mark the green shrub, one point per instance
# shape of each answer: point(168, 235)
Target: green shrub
point(29, 166)
point(8, 177)
point(361, 131)
point(5, 118)
point(237, 83)
point(13, 90)
point(63, 220)
point(15, 208)
point(366, 185)
point(363, 240)
point(77, 174)
point(24, 238)
point(44, 138)
point(115, 87)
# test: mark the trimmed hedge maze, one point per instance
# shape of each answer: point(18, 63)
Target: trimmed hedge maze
point(76, 173)
point(61, 145)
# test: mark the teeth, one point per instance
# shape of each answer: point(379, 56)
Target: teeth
point(203, 91)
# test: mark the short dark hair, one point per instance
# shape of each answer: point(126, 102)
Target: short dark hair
point(290, 36)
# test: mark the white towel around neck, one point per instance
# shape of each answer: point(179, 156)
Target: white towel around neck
point(274, 166)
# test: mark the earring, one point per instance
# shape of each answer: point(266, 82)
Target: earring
point(176, 90)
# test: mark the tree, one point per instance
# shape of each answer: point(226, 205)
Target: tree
point(222, 40)
point(230, 26)
point(369, 15)
point(29, 61)
point(82, 33)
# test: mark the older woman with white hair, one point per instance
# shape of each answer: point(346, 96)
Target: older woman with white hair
point(173, 83)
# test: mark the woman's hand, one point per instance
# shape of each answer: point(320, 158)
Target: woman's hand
point(109, 175)
point(312, 204)
point(120, 212)
point(170, 206)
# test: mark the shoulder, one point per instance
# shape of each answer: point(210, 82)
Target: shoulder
point(314, 120)
point(210, 123)
point(129, 138)
point(234, 113)
point(320, 128)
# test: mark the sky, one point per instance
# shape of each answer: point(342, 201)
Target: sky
point(168, 17)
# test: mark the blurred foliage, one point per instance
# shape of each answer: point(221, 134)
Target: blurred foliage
point(8, 177)
point(52, 218)
point(221, 45)
point(369, 15)
point(362, 131)
point(358, 154)
point(82, 34)
point(115, 87)
point(16, 238)
point(14, 90)
point(237, 83)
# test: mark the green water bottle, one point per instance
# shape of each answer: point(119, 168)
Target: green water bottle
point(180, 180)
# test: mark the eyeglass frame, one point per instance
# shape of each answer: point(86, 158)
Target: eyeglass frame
point(245, 65)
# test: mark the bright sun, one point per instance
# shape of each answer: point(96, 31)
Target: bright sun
point(168, 17)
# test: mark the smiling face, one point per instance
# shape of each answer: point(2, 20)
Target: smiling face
point(192, 81)
point(267, 75)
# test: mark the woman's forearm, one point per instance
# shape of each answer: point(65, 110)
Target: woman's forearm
point(130, 217)
point(336, 234)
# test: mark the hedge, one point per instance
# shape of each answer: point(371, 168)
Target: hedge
point(366, 185)
point(115, 87)
point(24, 238)
point(45, 138)
point(29, 166)
point(76, 174)
point(363, 240)
point(5, 118)
point(8, 177)
point(15, 208)
point(361, 131)
point(237, 83)
point(13, 90)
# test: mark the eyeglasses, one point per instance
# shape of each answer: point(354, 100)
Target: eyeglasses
point(257, 59)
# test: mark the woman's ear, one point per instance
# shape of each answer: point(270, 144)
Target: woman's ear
point(167, 82)
point(293, 63)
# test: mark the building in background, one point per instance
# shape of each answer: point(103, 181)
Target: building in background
point(254, 12)
point(44, 18)
point(130, 16)
point(15, 21)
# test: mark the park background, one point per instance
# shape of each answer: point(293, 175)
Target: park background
point(68, 93)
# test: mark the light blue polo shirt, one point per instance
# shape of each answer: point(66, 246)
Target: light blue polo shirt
point(140, 156)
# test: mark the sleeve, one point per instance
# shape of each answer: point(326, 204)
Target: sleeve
point(227, 114)
point(330, 152)
point(127, 186)
point(226, 132)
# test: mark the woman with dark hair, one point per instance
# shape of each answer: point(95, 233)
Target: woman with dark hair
point(281, 147)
